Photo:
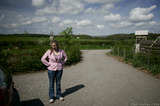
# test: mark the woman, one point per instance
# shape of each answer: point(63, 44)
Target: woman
point(57, 59)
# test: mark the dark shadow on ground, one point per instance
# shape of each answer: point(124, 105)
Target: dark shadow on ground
point(16, 98)
point(72, 90)
point(17, 102)
point(33, 102)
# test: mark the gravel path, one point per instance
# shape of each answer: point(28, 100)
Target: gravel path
point(98, 80)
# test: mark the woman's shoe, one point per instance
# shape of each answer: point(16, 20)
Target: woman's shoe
point(61, 98)
point(51, 100)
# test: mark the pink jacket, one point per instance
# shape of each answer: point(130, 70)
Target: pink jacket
point(52, 64)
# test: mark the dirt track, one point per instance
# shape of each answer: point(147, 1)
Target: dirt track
point(98, 80)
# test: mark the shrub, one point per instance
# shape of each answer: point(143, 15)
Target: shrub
point(154, 69)
point(74, 54)
point(29, 57)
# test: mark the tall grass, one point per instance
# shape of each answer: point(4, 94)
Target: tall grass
point(150, 62)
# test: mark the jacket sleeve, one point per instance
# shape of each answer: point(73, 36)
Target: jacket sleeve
point(65, 56)
point(44, 57)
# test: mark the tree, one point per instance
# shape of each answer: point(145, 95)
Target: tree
point(25, 33)
point(67, 33)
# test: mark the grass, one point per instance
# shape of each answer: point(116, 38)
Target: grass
point(140, 59)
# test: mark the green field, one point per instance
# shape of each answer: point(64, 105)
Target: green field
point(94, 47)
point(13, 38)
point(26, 57)
point(33, 42)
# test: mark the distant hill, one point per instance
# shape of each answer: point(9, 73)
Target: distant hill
point(151, 36)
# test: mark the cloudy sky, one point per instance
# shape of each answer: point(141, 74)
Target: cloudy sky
point(93, 17)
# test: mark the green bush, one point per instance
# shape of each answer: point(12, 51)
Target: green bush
point(29, 57)
point(74, 54)
point(23, 62)
point(70, 47)
point(137, 62)
point(30, 60)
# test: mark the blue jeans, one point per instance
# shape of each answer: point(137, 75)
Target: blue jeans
point(52, 76)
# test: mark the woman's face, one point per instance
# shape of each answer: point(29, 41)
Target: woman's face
point(54, 46)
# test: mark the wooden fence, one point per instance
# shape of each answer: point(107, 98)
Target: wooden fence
point(150, 57)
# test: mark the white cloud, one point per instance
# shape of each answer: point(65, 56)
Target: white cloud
point(76, 23)
point(151, 26)
point(102, 1)
point(123, 24)
point(9, 25)
point(141, 14)
point(55, 19)
point(68, 22)
point(90, 10)
point(15, 30)
point(84, 23)
point(99, 18)
point(39, 19)
point(70, 7)
point(152, 23)
point(100, 26)
point(104, 9)
point(112, 17)
point(140, 24)
point(62, 7)
point(29, 22)
point(19, 15)
point(46, 10)
point(108, 6)
point(14, 25)
point(38, 3)
point(24, 19)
